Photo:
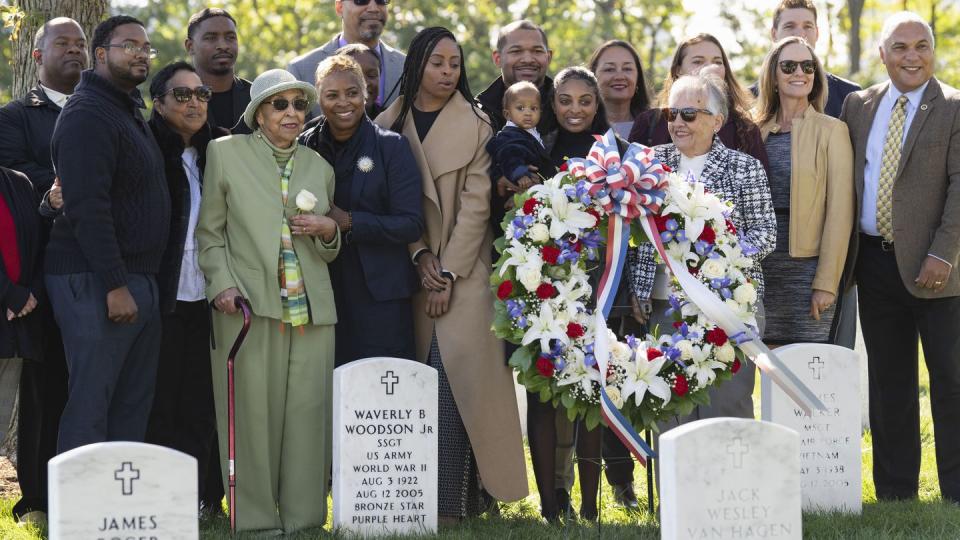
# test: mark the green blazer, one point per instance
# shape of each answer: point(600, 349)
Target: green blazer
point(238, 233)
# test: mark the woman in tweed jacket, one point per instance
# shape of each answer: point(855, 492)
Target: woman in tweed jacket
point(697, 111)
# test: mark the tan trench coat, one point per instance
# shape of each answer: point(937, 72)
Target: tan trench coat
point(456, 208)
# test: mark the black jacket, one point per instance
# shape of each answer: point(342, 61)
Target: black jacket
point(116, 209)
point(171, 146)
point(20, 337)
point(26, 126)
point(240, 98)
point(512, 150)
point(385, 202)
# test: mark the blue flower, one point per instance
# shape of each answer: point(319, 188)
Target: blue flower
point(589, 360)
point(559, 364)
point(702, 248)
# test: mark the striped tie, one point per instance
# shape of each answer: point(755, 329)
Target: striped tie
point(888, 169)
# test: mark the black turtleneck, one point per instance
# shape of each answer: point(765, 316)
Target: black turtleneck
point(116, 214)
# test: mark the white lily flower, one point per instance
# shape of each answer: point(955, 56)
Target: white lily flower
point(643, 376)
point(520, 256)
point(564, 215)
point(544, 326)
point(579, 373)
point(694, 203)
point(702, 364)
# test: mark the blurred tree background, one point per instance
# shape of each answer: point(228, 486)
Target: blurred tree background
point(272, 32)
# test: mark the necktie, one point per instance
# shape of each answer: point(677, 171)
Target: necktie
point(888, 168)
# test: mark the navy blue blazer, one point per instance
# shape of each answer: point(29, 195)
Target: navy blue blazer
point(384, 198)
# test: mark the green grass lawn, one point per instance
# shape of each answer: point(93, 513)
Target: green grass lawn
point(926, 518)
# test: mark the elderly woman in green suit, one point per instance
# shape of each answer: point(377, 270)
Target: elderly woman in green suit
point(263, 235)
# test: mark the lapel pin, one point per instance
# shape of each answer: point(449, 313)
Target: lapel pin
point(365, 164)
point(924, 107)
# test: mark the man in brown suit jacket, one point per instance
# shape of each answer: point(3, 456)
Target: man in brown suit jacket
point(903, 258)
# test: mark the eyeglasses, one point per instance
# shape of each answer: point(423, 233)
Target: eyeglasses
point(365, 2)
point(281, 104)
point(133, 50)
point(183, 94)
point(687, 114)
point(787, 67)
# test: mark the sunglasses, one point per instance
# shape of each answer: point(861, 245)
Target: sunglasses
point(183, 94)
point(281, 104)
point(687, 114)
point(365, 2)
point(787, 67)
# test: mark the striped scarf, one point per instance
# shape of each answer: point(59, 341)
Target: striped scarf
point(293, 295)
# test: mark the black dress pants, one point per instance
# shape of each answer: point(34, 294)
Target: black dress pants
point(43, 394)
point(892, 319)
point(182, 416)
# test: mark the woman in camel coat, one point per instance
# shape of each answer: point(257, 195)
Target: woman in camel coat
point(453, 312)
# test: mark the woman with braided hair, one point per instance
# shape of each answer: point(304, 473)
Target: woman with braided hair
point(481, 446)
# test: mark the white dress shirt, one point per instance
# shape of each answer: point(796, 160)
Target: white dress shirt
point(878, 136)
point(60, 99)
point(191, 286)
point(532, 131)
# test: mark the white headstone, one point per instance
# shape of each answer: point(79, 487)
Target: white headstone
point(385, 447)
point(123, 490)
point(729, 478)
point(830, 456)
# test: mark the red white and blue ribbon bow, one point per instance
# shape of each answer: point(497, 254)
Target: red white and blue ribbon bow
point(627, 187)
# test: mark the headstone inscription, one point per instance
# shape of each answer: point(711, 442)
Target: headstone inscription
point(122, 490)
point(830, 454)
point(385, 447)
point(729, 478)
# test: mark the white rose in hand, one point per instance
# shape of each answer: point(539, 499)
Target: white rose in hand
point(306, 200)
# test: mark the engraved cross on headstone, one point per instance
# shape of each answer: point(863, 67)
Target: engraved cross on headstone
point(737, 449)
point(126, 474)
point(816, 366)
point(389, 380)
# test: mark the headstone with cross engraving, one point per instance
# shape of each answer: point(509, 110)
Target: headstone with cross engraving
point(123, 490)
point(830, 455)
point(729, 478)
point(385, 447)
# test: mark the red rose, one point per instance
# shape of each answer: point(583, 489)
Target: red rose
point(736, 366)
point(716, 337)
point(530, 205)
point(578, 246)
point(680, 385)
point(677, 324)
point(574, 330)
point(564, 167)
point(708, 235)
point(661, 222)
point(666, 168)
point(653, 354)
point(731, 227)
point(550, 254)
point(504, 290)
point(545, 366)
point(546, 291)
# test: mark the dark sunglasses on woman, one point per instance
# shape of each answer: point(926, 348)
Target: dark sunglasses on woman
point(789, 66)
point(183, 94)
point(687, 114)
point(281, 104)
point(365, 2)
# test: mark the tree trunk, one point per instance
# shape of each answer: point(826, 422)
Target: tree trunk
point(86, 12)
point(855, 7)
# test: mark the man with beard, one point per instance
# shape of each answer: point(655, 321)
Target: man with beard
point(105, 249)
point(522, 54)
point(60, 53)
point(213, 45)
point(362, 21)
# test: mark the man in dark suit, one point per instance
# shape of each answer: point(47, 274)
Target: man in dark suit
point(361, 22)
point(906, 139)
point(26, 127)
point(213, 45)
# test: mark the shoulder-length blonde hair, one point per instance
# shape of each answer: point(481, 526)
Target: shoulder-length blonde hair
point(768, 97)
